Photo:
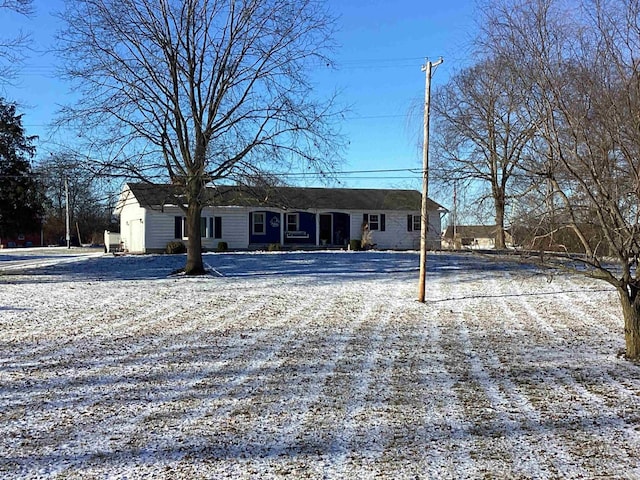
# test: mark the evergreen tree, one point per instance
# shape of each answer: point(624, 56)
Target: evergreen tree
point(20, 198)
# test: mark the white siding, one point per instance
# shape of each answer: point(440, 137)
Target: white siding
point(132, 226)
point(235, 227)
point(396, 234)
point(161, 227)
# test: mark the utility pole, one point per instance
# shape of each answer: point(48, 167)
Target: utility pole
point(424, 219)
point(455, 210)
point(66, 196)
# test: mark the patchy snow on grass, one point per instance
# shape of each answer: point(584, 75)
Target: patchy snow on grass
point(310, 365)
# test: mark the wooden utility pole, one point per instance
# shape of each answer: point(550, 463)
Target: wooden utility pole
point(424, 215)
point(66, 199)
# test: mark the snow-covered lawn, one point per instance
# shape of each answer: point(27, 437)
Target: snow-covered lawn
point(311, 365)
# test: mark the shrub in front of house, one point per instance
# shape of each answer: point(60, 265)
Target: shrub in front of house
point(223, 246)
point(355, 244)
point(273, 247)
point(176, 247)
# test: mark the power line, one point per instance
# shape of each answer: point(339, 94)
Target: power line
point(348, 172)
point(416, 171)
point(364, 174)
point(356, 63)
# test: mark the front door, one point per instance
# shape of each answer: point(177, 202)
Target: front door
point(326, 229)
point(341, 230)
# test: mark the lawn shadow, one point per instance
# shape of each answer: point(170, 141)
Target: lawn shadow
point(320, 266)
point(127, 403)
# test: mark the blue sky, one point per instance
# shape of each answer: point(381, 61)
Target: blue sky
point(383, 45)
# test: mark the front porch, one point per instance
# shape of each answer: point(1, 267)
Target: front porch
point(299, 229)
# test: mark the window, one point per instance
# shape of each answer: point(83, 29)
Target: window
point(375, 221)
point(210, 227)
point(413, 223)
point(417, 222)
point(292, 222)
point(259, 223)
point(215, 227)
point(180, 228)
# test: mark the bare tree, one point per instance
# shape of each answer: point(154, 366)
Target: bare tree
point(582, 67)
point(89, 207)
point(12, 48)
point(195, 91)
point(484, 126)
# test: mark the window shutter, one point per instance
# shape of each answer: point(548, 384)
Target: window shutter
point(218, 227)
point(177, 229)
point(211, 229)
point(409, 223)
point(382, 222)
point(365, 218)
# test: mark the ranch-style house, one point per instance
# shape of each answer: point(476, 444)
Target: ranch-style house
point(291, 217)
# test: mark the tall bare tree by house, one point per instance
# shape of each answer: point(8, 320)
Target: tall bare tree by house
point(483, 127)
point(580, 62)
point(194, 91)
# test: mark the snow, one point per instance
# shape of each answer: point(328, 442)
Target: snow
point(310, 365)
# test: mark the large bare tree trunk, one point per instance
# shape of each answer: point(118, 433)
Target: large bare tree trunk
point(630, 301)
point(195, 264)
point(500, 243)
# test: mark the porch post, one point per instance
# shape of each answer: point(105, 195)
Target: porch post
point(282, 226)
point(317, 228)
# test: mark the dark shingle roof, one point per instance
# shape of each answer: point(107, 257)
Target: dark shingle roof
point(150, 196)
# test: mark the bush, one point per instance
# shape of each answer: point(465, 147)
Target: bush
point(273, 247)
point(223, 246)
point(175, 247)
point(355, 244)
